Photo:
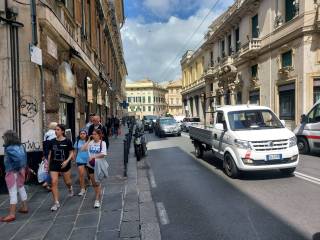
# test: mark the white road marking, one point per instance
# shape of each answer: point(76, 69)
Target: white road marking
point(307, 177)
point(162, 213)
point(152, 179)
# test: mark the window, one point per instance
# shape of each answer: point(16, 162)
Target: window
point(220, 117)
point(223, 53)
point(314, 115)
point(149, 99)
point(129, 99)
point(254, 71)
point(316, 90)
point(290, 9)
point(88, 21)
point(237, 43)
point(287, 102)
point(143, 99)
point(254, 97)
point(286, 59)
point(227, 98)
point(239, 98)
point(149, 108)
point(211, 59)
point(229, 46)
point(255, 26)
point(143, 108)
point(177, 101)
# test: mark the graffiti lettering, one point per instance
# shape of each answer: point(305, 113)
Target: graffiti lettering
point(32, 146)
point(29, 108)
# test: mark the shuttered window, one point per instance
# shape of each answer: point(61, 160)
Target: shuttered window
point(254, 71)
point(290, 9)
point(286, 59)
point(255, 27)
point(93, 24)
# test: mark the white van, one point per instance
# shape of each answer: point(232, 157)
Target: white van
point(308, 132)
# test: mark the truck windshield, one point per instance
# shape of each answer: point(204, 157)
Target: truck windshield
point(253, 120)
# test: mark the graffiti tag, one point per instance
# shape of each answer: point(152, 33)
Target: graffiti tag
point(29, 108)
point(32, 146)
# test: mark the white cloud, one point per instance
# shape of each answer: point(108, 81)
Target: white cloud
point(150, 48)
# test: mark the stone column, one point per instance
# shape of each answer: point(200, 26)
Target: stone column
point(189, 108)
point(221, 96)
point(194, 112)
point(201, 109)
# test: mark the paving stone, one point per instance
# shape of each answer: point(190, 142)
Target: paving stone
point(129, 229)
point(145, 196)
point(59, 231)
point(148, 213)
point(36, 229)
point(70, 206)
point(150, 231)
point(65, 219)
point(83, 234)
point(131, 215)
point(112, 202)
point(113, 188)
point(129, 205)
point(7, 230)
point(108, 235)
point(87, 220)
point(39, 196)
point(110, 220)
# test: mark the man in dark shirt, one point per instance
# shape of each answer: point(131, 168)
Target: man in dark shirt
point(96, 124)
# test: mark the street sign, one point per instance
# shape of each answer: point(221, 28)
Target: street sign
point(35, 55)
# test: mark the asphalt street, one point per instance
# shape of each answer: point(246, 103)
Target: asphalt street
point(196, 200)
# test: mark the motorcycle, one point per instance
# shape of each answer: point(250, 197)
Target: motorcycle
point(140, 144)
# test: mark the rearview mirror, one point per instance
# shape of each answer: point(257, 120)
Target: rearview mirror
point(303, 118)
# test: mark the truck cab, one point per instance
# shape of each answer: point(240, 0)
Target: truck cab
point(248, 138)
point(308, 132)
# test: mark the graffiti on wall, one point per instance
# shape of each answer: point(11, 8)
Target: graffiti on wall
point(32, 145)
point(29, 108)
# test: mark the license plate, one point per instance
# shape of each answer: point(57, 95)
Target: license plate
point(274, 157)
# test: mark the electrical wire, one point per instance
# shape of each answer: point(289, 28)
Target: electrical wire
point(180, 52)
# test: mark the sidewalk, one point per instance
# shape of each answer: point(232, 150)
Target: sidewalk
point(118, 217)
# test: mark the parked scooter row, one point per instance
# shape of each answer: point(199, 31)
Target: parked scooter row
point(140, 143)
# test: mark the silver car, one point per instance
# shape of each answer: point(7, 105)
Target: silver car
point(167, 126)
point(189, 121)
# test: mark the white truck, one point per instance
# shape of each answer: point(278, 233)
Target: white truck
point(247, 138)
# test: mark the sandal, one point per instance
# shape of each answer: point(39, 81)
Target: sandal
point(8, 218)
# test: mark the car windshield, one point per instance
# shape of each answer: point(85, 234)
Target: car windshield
point(151, 117)
point(253, 120)
point(167, 121)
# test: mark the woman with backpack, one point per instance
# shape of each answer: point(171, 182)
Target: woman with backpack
point(82, 157)
point(97, 152)
point(60, 155)
point(15, 161)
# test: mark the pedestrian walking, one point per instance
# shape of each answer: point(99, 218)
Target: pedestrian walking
point(15, 161)
point(88, 124)
point(48, 136)
point(60, 155)
point(116, 126)
point(97, 152)
point(97, 125)
point(82, 156)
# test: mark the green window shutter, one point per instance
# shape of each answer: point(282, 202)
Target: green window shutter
point(255, 23)
point(290, 10)
point(287, 59)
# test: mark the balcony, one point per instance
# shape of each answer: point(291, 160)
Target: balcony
point(251, 48)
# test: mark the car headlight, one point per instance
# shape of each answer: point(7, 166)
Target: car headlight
point(292, 141)
point(242, 144)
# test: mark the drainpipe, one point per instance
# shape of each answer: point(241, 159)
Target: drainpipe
point(34, 41)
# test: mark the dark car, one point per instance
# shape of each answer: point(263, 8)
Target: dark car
point(148, 122)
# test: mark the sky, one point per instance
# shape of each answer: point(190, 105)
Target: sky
point(158, 32)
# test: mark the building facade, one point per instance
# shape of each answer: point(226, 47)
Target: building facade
point(261, 52)
point(174, 98)
point(146, 97)
point(59, 61)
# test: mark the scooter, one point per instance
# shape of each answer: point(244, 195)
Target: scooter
point(140, 144)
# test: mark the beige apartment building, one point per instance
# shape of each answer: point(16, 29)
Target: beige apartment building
point(146, 97)
point(174, 98)
point(259, 51)
point(59, 61)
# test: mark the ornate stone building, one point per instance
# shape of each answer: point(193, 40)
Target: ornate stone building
point(259, 51)
point(146, 97)
point(64, 60)
point(174, 98)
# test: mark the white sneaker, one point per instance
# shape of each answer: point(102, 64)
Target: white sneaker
point(82, 192)
point(55, 207)
point(96, 204)
point(71, 193)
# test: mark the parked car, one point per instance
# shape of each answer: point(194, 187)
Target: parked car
point(167, 126)
point(248, 138)
point(189, 121)
point(308, 132)
point(148, 122)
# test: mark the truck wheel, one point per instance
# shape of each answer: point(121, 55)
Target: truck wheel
point(229, 166)
point(303, 145)
point(198, 150)
point(288, 171)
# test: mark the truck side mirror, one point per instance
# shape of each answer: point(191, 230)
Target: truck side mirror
point(303, 119)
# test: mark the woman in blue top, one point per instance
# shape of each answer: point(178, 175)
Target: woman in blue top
point(82, 157)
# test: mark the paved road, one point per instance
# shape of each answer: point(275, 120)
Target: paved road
point(196, 200)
